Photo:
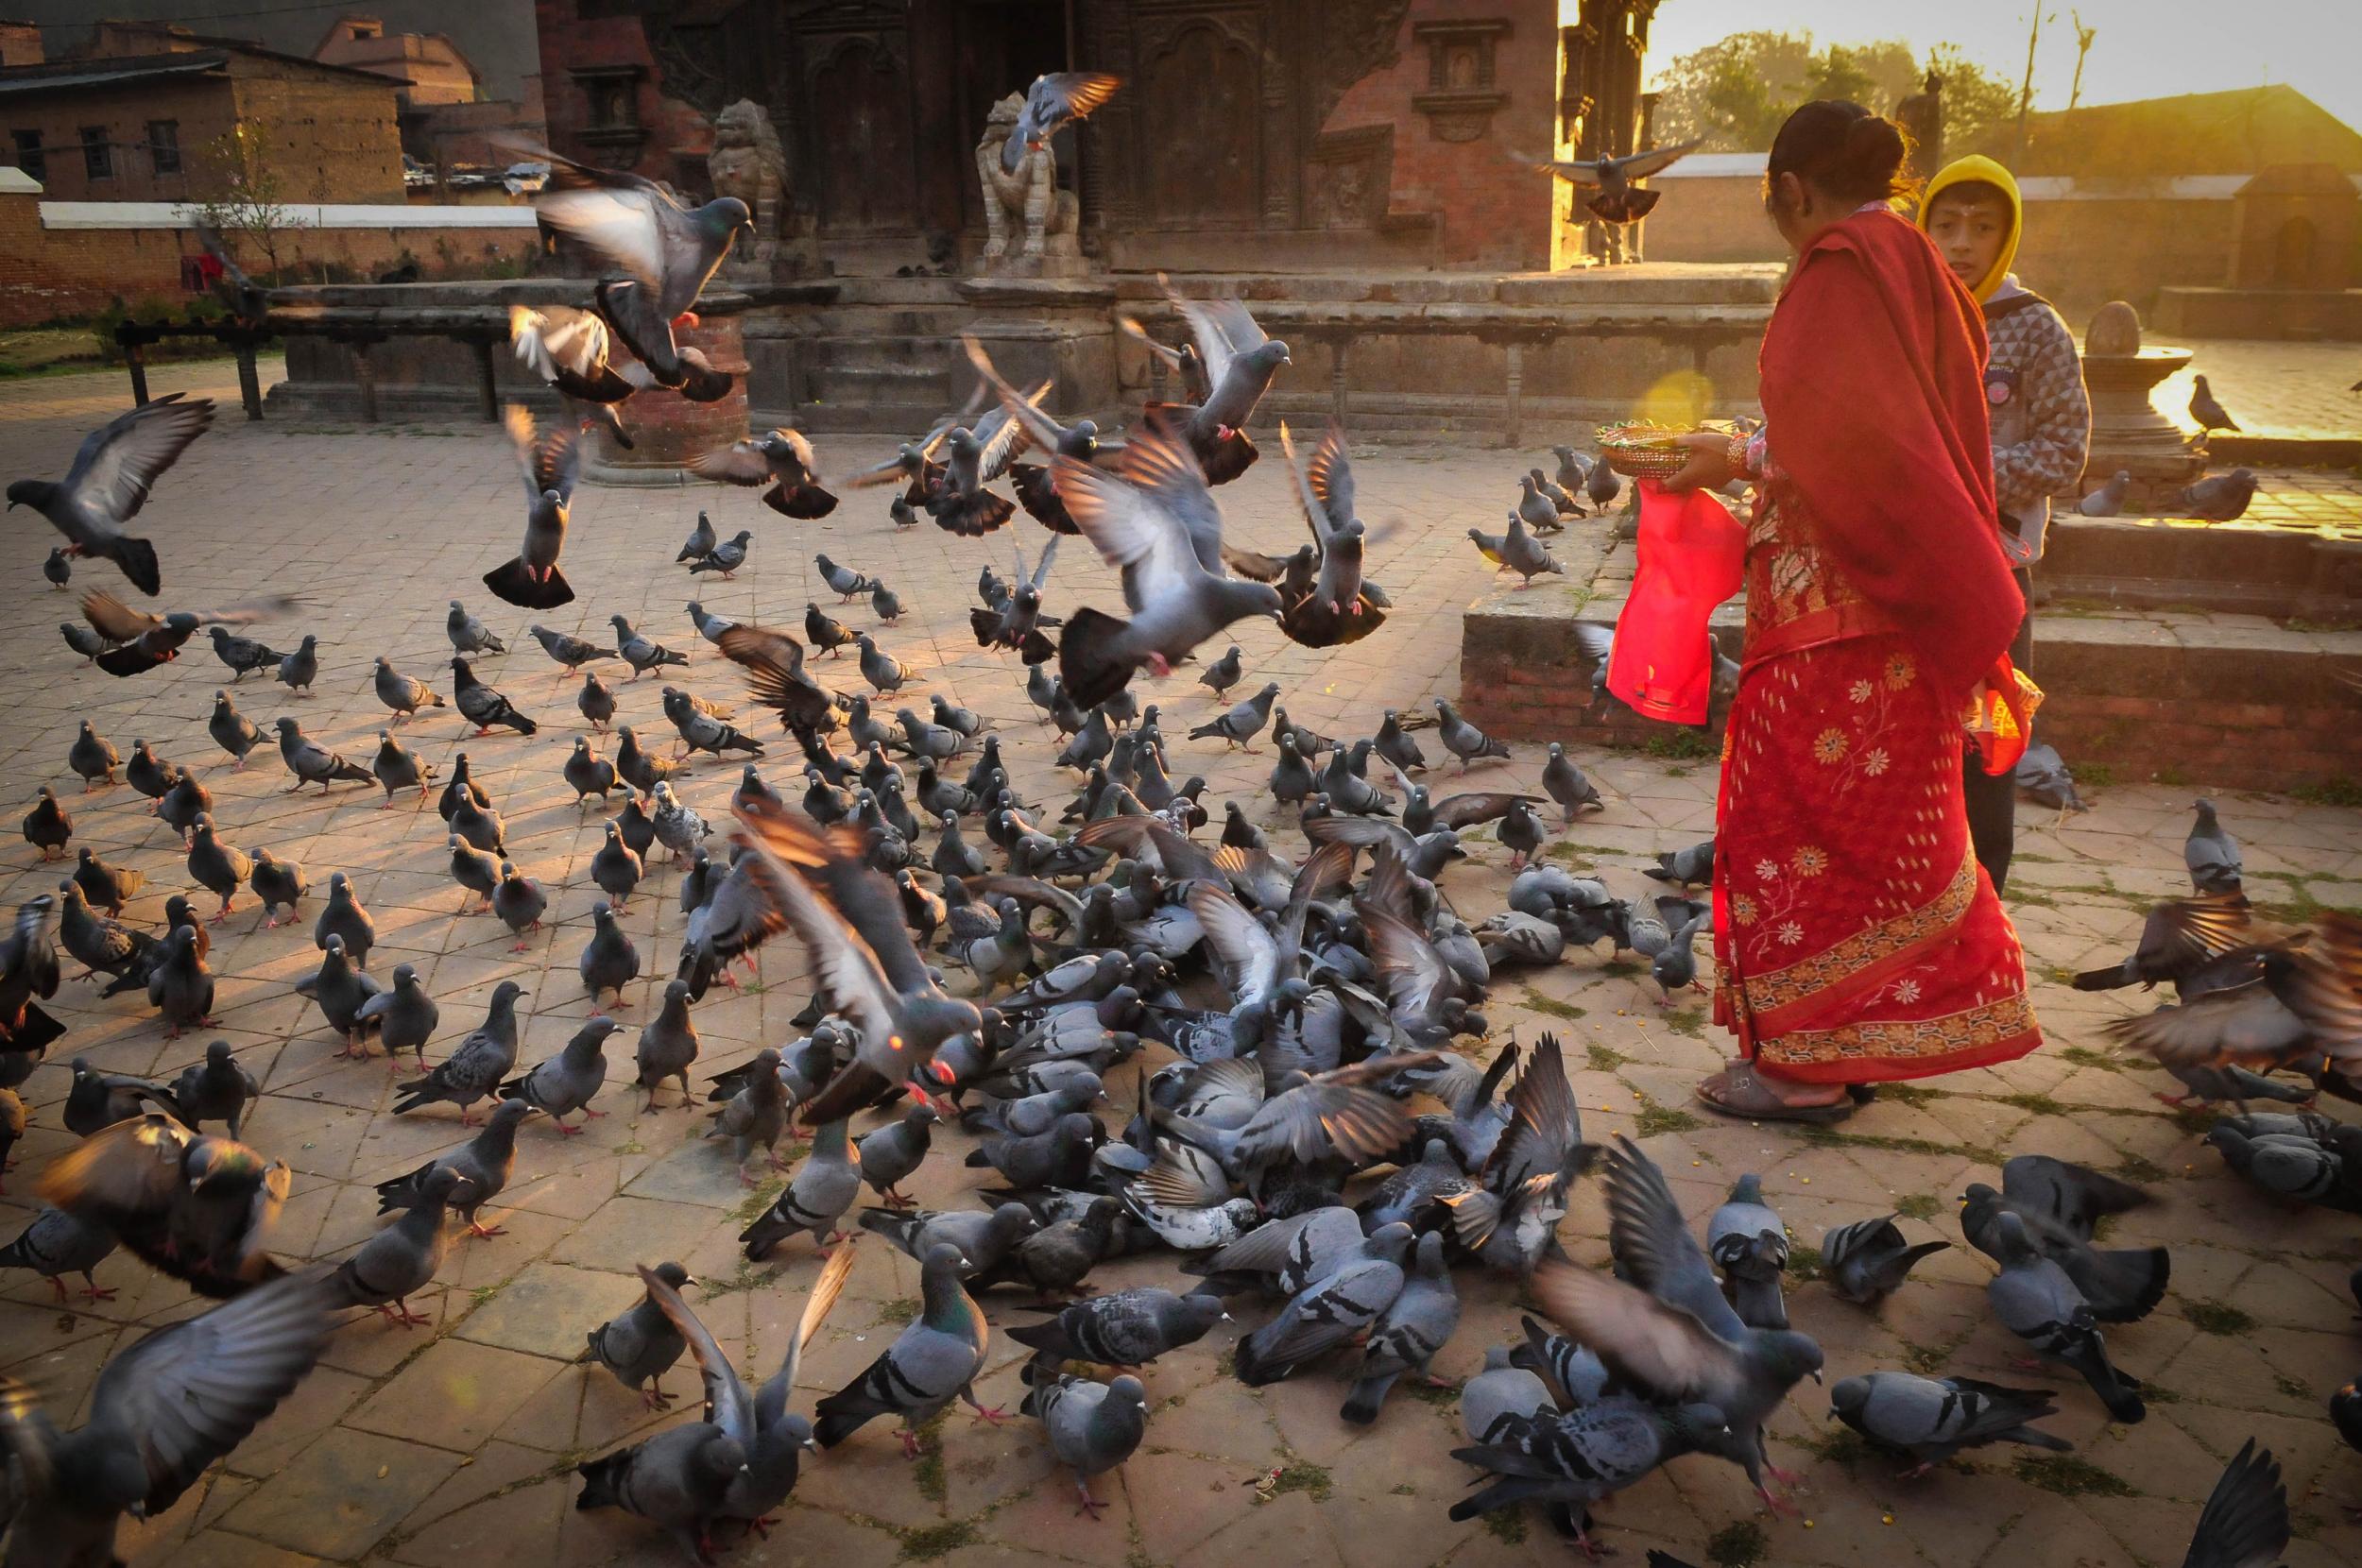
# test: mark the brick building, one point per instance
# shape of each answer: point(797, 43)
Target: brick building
point(132, 118)
point(1294, 135)
point(447, 121)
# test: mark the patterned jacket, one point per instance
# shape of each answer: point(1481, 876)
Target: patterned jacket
point(2042, 419)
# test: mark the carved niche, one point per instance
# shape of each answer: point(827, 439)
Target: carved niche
point(1349, 175)
point(1199, 71)
point(1461, 97)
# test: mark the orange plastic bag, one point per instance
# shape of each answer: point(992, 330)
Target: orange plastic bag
point(1693, 556)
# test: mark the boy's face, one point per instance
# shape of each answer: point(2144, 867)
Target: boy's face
point(1969, 229)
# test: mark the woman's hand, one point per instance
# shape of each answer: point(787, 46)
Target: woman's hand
point(1709, 465)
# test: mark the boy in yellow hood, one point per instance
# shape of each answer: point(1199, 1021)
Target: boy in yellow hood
point(2042, 420)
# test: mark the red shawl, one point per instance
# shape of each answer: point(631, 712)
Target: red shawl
point(1873, 384)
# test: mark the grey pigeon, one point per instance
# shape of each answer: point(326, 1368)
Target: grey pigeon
point(57, 568)
point(1123, 1328)
point(483, 1164)
point(727, 556)
point(150, 774)
point(243, 654)
point(1328, 1311)
point(1054, 1158)
point(815, 1199)
point(1221, 675)
point(1394, 743)
point(1092, 1427)
point(884, 603)
point(179, 986)
point(2044, 776)
point(92, 757)
point(477, 872)
point(679, 1480)
point(2245, 1523)
point(520, 903)
point(57, 1243)
point(614, 869)
point(678, 828)
point(470, 636)
point(232, 730)
point(642, 653)
point(698, 545)
point(668, 1045)
point(403, 1015)
point(217, 1090)
point(2219, 497)
point(596, 700)
point(99, 1100)
point(1462, 739)
point(1749, 1245)
point(1867, 1261)
point(313, 763)
point(2035, 1301)
point(1583, 1455)
point(181, 805)
point(84, 640)
point(551, 462)
point(397, 768)
point(1526, 555)
point(609, 959)
point(47, 828)
point(1564, 782)
point(345, 917)
point(639, 1344)
point(162, 1413)
point(1243, 722)
point(780, 459)
point(566, 648)
point(1407, 1332)
point(107, 887)
point(1932, 1419)
point(113, 472)
point(588, 773)
point(753, 1117)
point(339, 988)
point(401, 1259)
point(1690, 867)
point(483, 707)
point(701, 730)
point(2061, 1206)
point(894, 1151)
point(296, 671)
point(844, 582)
point(935, 1361)
point(2205, 411)
point(475, 1067)
point(569, 1081)
point(1495, 1401)
point(881, 670)
point(2211, 852)
point(101, 945)
point(1054, 101)
point(2108, 499)
point(982, 1236)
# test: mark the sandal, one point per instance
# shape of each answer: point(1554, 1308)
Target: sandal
point(1737, 1090)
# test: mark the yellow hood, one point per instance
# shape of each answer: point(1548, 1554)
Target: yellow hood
point(1976, 168)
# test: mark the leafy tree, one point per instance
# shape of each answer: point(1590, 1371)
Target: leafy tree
point(248, 194)
point(1975, 99)
point(1735, 93)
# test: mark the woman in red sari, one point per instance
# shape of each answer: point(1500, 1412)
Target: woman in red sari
point(1858, 940)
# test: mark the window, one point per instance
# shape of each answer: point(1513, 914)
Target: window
point(163, 145)
point(29, 154)
point(99, 154)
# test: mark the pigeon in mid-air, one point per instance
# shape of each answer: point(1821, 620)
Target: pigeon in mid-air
point(665, 252)
point(113, 472)
point(1240, 359)
point(780, 459)
point(570, 350)
point(1609, 194)
point(1053, 102)
point(551, 462)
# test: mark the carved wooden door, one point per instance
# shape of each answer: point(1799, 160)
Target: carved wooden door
point(1198, 147)
point(860, 92)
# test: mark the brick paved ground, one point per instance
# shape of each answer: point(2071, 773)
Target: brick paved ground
point(2272, 388)
point(454, 1444)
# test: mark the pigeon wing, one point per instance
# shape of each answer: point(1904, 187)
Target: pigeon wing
point(740, 463)
point(1645, 1342)
point(1640, 165)
point(612, 214)
point(726, 1404)
point(120, 461)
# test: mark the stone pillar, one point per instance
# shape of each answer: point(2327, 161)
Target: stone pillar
point(668, 431)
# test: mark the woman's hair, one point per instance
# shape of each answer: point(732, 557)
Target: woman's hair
point(1843, 149)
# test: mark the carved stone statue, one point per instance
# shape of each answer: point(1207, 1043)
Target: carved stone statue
point(1026, 202)
point(748, 162)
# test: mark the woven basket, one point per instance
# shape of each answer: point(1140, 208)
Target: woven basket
point(1642, 451)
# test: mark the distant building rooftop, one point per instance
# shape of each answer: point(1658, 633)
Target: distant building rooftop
point(70, 75)
point(2196, 133)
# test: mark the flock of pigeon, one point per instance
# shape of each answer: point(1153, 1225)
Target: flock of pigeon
point(1300, 1132)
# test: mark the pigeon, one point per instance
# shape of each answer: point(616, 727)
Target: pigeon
point(84, 640)
point(610, 961)
point(2245, 1522)
point(520, 903)
point(217, 867)
point(1239, 362)
point(866, 970)
point(1564, 782)
point(339, 988)
point(1606, 185)
point(1462, 739)
point(401, 1259)
point(680, 1479)
point(1407, 1332)
point(588, 773)
point(99, 1100)
point(112, 473)
point(2221, 498)
point(569, 1081)
point(641, 1344)
point(56, 1244)
point(1243, 722)
point(815, 1199)
point(93, 757)
point(1526, 555)
point(1092, 1427)
point(615, 870)
point(195, 1205)
point(2108, 500)
point(1688, 868)
point(933, 1360)
point(232, 730)
point(162, 1413)
point(1932, 1419)
point(1670, 1334)
point(1498, 1400)
point(243, 654)
point(2035, 1301)
point(483, 1164)
point(2042, 776)
point(475, 1067)
point(668, 1045)
point(571, 650)
point(2059, 1206)
point(700, 730)
point(1867, 1261)
point(313, 763)
point(1336, 606)
point(1341, 1303)
point(1123, 1328)
point(2178, 938)
point(2211, 852)
point(343, 917)
point(756, 1114)
point(552, 464)
point(780, 459)
point(107, 887)
point(470, 636)
point(1221, 675)
point(2207, 413)
point(846, 583)
point(571, 351)
point(640, 652)
point(144, 641)
point(483, 707)
point(1053, 102)
point(403, 1015)
point(1749, 1244)
point(1521, 833)
point(296, 671)
point(1602, 486)
point(57, 568)
point(894, 1152)
point(1160, 526)
point(47, 828)
point(1583, 1455)
point(403, 694)
point(473, 821)
point(101, 945)
point(883, 603)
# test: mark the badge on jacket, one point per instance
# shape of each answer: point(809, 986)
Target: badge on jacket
point(2000, 384)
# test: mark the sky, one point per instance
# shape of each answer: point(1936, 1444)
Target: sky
point(2144, 49)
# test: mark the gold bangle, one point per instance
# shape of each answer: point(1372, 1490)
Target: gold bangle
point(1734, 455)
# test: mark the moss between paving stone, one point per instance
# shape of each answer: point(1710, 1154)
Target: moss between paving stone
point(759, 1201)
point(1842, 1446)
point(1922, 1207)
point(1655, 1118)
point(923, 1543)
point(1310, 1478)
point(1739, 1544)
point(928, 1472)
point(1804, 1264)
point(901, 1309)
point(1550, 1007)
point(2216, 1317)
point(1604, 1058)
point(2072, 1478)
point(1506, 1524)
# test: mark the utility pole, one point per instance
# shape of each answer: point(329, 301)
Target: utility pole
point(2083, 37)
point(2026, 92)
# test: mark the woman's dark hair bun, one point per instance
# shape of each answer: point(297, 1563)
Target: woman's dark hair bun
point(1844, 150)
point(1874, 151)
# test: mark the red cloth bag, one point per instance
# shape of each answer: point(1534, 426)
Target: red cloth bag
point(1693, 556)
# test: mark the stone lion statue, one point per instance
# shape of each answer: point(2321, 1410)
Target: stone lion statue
point(748, 162)
point(1027, 201)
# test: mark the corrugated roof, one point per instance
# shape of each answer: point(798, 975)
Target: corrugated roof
point(2196, 133)
point(64, 76)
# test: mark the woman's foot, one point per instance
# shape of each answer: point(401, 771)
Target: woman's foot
point(1740, 1090)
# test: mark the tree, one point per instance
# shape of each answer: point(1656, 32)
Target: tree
point(1975, 99)
point(1735, 93)
point(247, 196)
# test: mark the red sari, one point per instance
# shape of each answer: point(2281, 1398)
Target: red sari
point(1856, 939)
